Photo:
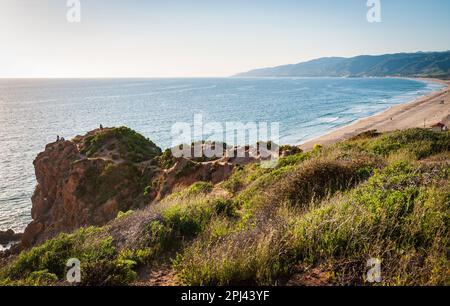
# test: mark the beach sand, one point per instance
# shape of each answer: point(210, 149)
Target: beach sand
point(422, 112)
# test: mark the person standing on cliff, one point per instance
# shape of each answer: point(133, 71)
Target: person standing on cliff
point(57, 138)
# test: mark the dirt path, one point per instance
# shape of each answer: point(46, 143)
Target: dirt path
point(156, 275)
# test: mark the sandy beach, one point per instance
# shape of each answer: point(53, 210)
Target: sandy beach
point(422, 112)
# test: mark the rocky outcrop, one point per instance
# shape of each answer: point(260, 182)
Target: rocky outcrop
point(9, 236)
point(88, 180)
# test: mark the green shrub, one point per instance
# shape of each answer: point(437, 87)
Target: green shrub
point(122, 214)
point(188, 219)
point(161, 237)
point(291, 149)
point(51, 256)
point(138, 256)
point(97, 255)
point(200, 187)
point(37, 278)
point(293, 160)
point(317, 179)
point(366, 135)
point(317, 148)
point(166, 159)
point(107, 272)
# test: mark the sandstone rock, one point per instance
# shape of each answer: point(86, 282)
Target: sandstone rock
point(80, 184)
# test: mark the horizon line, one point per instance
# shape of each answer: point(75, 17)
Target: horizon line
point(206, 76)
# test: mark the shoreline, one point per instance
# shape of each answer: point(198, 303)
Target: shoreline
point(423, 111)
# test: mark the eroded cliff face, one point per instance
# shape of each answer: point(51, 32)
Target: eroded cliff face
point(52, 167)
point(89, 179)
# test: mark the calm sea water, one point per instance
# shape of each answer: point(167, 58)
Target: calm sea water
point(33, 112)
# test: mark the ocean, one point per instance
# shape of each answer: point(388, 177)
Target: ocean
point(33, 112)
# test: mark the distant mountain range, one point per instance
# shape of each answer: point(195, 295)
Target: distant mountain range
point(421, 64)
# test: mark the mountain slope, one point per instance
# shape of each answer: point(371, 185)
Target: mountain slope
point(421, 64)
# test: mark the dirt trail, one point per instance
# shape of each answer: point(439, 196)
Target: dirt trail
point(157, 275)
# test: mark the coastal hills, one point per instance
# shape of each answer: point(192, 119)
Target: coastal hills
point(421, 64)
point(135, 215)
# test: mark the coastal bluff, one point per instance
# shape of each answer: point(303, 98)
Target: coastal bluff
point(87, 180)
point(90, 179)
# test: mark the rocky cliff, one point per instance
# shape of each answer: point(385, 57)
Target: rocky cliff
point(89, 179)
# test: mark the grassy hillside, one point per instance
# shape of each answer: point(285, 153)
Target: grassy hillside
point(315, 219)
point(421, 64)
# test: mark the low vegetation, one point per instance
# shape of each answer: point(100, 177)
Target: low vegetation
point(383, 196)
point(46, 264)
point(130, 145)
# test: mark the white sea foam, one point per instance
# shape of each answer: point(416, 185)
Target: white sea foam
point(328, 119)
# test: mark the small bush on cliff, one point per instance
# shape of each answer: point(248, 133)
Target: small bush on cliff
point(166, 159)
point(252, 256)
point(290, 149)
point(170, 224)
point(366, 135)
point(137, 256)
point(122, 214)
point(199, 188)
point(161, 238)
point(190, 218)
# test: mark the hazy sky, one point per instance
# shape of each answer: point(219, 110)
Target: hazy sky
point(120, 38)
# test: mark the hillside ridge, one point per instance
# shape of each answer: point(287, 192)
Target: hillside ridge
point(419, 64)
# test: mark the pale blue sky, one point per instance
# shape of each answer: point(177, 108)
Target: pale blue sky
point(118, 38)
